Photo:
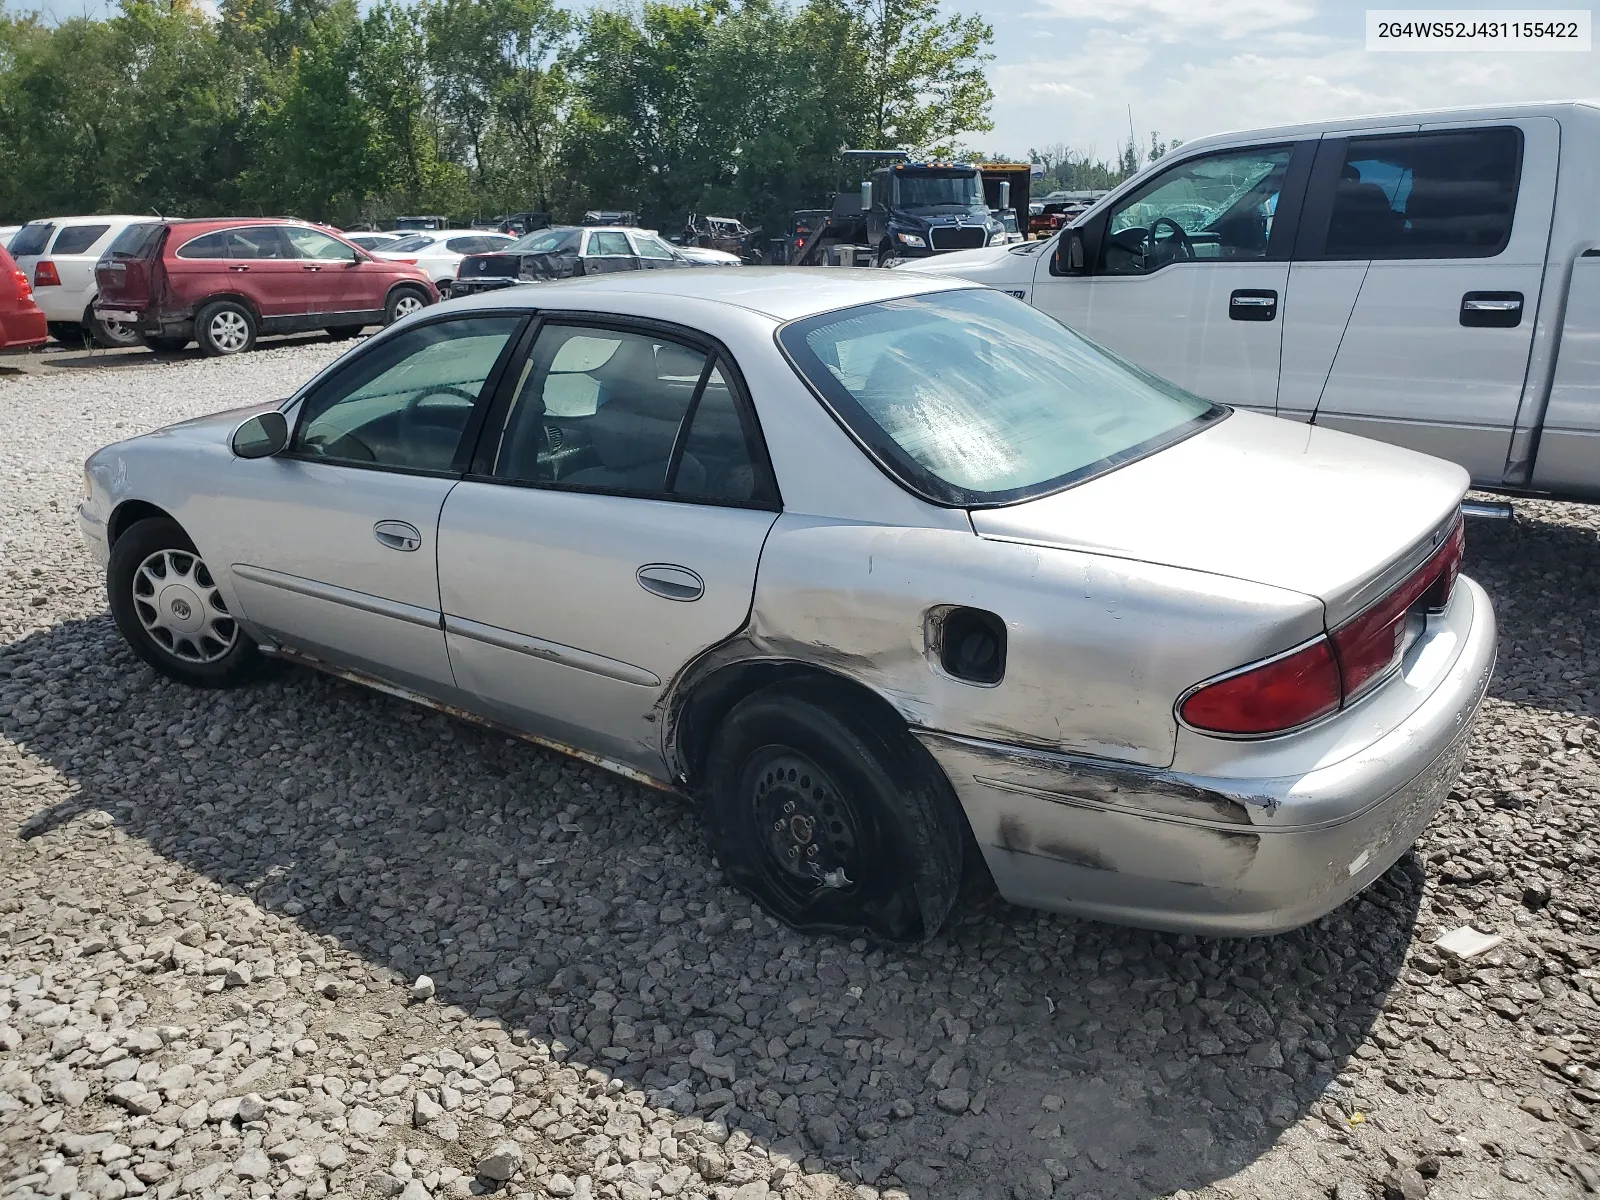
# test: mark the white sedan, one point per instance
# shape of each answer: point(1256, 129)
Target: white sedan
point(884, 570)
point(439, 251)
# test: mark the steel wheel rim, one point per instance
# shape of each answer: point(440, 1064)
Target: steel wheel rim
point(810, 832)
point(229, 331)
point(405, 306)
point(178, 605)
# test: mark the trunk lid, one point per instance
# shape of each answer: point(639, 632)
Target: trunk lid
point(1312, 510)
point(128, 273)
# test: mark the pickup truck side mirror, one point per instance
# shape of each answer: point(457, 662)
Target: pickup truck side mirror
point(262, 436)
point(1069, 257)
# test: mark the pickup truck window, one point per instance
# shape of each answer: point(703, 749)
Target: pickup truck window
point(1218, 207)
point(1426, 195)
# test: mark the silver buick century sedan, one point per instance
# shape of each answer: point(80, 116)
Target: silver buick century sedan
point(887, 571)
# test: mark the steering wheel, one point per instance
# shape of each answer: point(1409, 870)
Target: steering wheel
point(1180, 238)
point(408, 415)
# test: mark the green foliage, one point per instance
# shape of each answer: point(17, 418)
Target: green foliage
point(474, 107)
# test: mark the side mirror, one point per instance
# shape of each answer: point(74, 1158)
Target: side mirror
point(1005, 193)
point(1069, 253)
point(262, 436)
point(866, 195)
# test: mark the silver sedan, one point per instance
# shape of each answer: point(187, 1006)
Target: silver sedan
point(894, 575)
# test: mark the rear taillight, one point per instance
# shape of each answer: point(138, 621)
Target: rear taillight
point(1329, 673)
point(24, 292)
point(1372, 641)
point(44, 274)
point(1281, 694)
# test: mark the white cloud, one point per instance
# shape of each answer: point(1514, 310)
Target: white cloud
point(1167, 19)
point(1190, 89)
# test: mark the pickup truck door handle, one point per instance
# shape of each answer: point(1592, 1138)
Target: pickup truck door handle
point(397, 535)
point(670, 582)
point(1491, 310)
point(1252, 304)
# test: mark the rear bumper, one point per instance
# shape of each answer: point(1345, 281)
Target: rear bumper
point(468, 287)
point(148, 322)
point(22, 330)
point(1223, 856)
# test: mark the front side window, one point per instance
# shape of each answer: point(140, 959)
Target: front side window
point(973, 398)
point(1426, 195)
point(652, 247)
point(630, 413)
point(313, 244)
point(405, 402)
point(77, 239)
point(1217, 207)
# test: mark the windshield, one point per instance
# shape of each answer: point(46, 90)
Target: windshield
point(546, 241)
point(415, 241)
point(940, 189)
point(31, 239)
point(973, 398)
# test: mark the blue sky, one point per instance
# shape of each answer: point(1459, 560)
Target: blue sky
point(1067, 71)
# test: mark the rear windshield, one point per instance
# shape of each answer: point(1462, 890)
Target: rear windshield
point(135, 240)
point(31, 239)
point(972, 398)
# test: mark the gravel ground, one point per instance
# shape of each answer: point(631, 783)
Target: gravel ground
point(213, 908)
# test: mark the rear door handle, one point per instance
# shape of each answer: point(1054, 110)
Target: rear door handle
point(237, 267)
point(1252, 304)
point(397, 535)
point(670, 582)
point(1491, 310)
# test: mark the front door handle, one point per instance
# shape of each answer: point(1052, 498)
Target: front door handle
point(310, 267)
point(237, 267)
point(1252, 304)
point(1491, 310)
point(670, 582)
point(398, 535)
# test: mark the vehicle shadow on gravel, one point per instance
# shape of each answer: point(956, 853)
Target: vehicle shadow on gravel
point(1017, 1051)
point(1540, 574)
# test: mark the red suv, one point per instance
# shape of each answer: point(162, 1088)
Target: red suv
point(21, 322)
point(221, 282)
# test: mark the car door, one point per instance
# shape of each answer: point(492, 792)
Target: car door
point(330, 282)
point(654, 254)
point(333, 549)
point(1188, 272)
point(609, 534)
point(262, 267)
point(607, 250)
point(1450, 225)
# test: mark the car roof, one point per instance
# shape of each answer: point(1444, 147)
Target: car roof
point(447, 233)
point(783, 293)
point(99, 219)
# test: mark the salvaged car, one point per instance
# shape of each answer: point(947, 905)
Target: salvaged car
point(727, 234)
point(883, 569)
point(564, 252)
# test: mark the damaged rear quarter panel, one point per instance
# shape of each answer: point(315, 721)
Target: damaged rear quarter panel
point(1098, 648)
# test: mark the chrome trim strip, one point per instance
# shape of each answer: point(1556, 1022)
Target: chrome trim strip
point(361, 601)
point(566, 656)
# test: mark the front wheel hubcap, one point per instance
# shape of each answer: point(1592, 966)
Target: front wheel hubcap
point(180, 608)
point(229, 331)
point(405, 306)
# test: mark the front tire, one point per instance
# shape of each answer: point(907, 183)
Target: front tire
point(833, 817)
point(888, 257)
point(169, 611)
point(225, 328)
point(404, 301)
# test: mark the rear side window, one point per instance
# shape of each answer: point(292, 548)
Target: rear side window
point(135, 240)
point(77, 239)
point(608, 245)
point(1426, 195)
point(31, 239)
point(259, 241)
point(209, 245)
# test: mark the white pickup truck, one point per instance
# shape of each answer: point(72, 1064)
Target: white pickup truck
point(1428, 279)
